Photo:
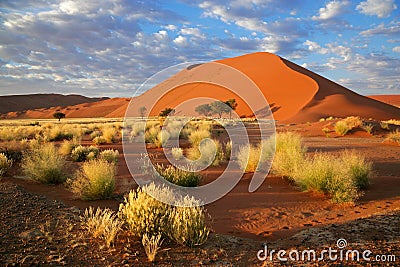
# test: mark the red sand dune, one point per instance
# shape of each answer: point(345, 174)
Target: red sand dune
point(393, 100)
point(294, 94)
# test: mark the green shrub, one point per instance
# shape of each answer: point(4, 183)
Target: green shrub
point(5, 164)
point(178, 176)
point(44, 164)
point(208, 152)
point(151, 134)
point(103, 224)
point(82, 153)
point(109, 155)
point(177, 153)
point(289, 153)
point(187, 224)
point(95, 180)
point(385, 126)
point(195, 137)
point(144, 214)
point(99, 140)
point(162, 138)
point(394, 136)
point(368, 128)
point(341, 128)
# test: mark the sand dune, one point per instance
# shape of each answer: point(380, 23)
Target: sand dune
point(294, 94)
point(393, 100)
point(13, 103)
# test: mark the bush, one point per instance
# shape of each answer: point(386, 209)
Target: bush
point(102, 224)
point(195, 137)
point(109, 134)
point(340, 177)
point(177, 153)
point(394, 136)
point(99, 140)
point(95, 180)
point(162, 138)
point(178, 176)
point(151, 134)
point(228, 150)
point(341, 128)
point(208, 152)
point(82, 153)
point(67, 147)
point(5, 164)
point(109, 155)
point(187, 224)
point(248, 158)
point(289, 153)
point(145, 215)
point(368, 128)
point(44, 164)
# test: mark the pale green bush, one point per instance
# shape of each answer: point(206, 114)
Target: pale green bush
point(179, 176)
point(187, 224)
point(67, 146)
point(162, 138)
point(195, 137)
point(208, 152)
point(99, 140)
point(82, 153)
point(109, 134)
point(109, 155)
point(341, 128)
point(103, 224)
point(44, 164)
point(95, 180)
point(151, 134)
point(177, 153)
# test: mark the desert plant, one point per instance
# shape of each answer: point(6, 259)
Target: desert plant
point(109, 134)
point(82, 153)
point(187, 224)
point(95, 134)
point(289, 153)
point(151, 245)
point(195, 137)
point(109, 155)
point(248, 158)
point(208, 152)
point(167, 112)
point(67, 146)
point(99, 140)
point(95, 180)
point(392, 121)
point(162, 138)
point(228, 150)
point(5, 164)
point(357, 167)
point(59, 115)
point(179, 176)
point(44, 164)
point(150, 136)
point(385, 126)
point(341, 128)
point(144, 214)
point(137, 128)
point(177, 153)
point(102, 224)
point(393, 136)
point(367, 127)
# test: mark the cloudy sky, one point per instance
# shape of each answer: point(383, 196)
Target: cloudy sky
point(109, 47)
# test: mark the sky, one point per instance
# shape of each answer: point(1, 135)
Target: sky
point(110, 47)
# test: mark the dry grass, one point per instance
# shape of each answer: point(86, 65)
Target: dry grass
point(103, 224)
point(95, 180)
point(179, 176)
point(343, 126)
point(393, 136)
point(5, 164)
point(44, 164)
point(177, 153)
point(208, 152)
point(151, 245)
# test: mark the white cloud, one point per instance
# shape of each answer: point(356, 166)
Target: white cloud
point(180, 41)
point(192, 31)
point(331, 10)
point(379, 8)
point(392, 28)
point(396, 49)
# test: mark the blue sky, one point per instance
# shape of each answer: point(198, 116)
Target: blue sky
point(109, 47)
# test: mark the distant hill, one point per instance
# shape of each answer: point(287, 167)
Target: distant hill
point(393, 100)
point(18, 103)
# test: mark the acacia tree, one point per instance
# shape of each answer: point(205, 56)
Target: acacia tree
point(142, 111)
point(232, 104)
point(219, 107)
point(166, 112)
point(204, 110)
point(59, 115)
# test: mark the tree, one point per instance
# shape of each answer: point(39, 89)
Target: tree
point(204, 110)
point(59, 115)
point(219, 107)
point(166, 112)
point(232, 104)
point(142, 111)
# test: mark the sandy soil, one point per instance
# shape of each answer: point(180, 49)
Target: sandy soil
point(276, 214)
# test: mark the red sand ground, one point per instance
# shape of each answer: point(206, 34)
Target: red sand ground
point(393, 100)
